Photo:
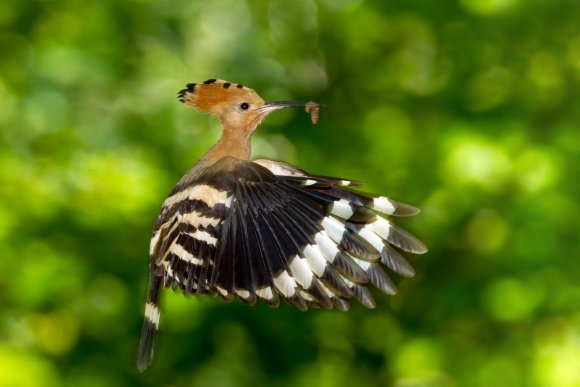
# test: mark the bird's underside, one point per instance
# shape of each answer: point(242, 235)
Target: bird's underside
point(268, 230)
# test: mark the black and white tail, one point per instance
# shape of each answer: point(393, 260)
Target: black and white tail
point(150, 324)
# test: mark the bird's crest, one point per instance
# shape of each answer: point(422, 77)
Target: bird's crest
point(213, 94)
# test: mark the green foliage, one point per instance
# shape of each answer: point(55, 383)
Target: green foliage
point(467, 109)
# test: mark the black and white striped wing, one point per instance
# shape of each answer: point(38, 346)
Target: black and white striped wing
point(265, 230)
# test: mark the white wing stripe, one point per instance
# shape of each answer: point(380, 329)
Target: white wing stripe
point(315, 259)
point(204, 236)
point(197, 219)
point(381, 227)
point(363, 264)
point(301, 271)
point(209, 195)
point(372, 238)
point(154, 241)
point(384, 205)
point(326, 246)
point(184, 254)
point(342, 209)
point(334, 228)
point(265, 293)
point(285, 284)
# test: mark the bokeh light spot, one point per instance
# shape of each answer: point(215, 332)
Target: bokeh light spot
point(472, 160)
point(24, 369)
point(557, 355)
point(55, 332)
point(120, 184)
point(489, 7)
point(511, 299)
point(536, 169)
point(419, 358)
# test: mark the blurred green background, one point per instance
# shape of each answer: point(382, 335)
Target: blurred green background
point(468, 109)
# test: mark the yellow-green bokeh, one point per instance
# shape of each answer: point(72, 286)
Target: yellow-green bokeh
point(467, 109)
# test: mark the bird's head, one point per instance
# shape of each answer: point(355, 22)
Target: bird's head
point(235, 105)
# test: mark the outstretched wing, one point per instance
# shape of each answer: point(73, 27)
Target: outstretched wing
point(265, 230)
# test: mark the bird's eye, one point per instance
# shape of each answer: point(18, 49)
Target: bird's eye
point(244, 106)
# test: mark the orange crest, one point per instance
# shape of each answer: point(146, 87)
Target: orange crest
point(215, 95)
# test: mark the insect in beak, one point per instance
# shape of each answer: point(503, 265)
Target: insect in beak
point(311, 107)
point(276, 105)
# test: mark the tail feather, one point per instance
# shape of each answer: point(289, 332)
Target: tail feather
point(150, 325)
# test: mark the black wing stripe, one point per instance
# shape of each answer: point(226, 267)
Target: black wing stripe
point(221, 275)
point(381, 280)
point(174, 262)
point(364, 296)
point(356, 198)
point(199, 272)
point(275, 262)
point(341, 304)
point(319, 295)
point(333, 281)
point(405, 241)
point(190, 280)
point(349, 269)
point(170, 235)
point(306, 206)
point(395, 261)
point(260, 271)
point(254, 251)
point(277, 244)
point(243, 272)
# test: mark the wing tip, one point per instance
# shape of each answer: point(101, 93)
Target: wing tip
point(393, 207)
point(404, 209)
point(421, 248)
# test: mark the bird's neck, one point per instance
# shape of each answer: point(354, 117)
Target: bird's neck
point(233, 143)
point(229, 144)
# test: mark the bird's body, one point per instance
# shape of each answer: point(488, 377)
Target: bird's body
point(266, 230)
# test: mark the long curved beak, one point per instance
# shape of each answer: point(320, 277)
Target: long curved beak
point(276, 105)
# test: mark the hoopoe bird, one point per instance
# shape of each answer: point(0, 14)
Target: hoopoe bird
point(266, 230)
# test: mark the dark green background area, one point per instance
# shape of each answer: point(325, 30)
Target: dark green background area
point(468, 109)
